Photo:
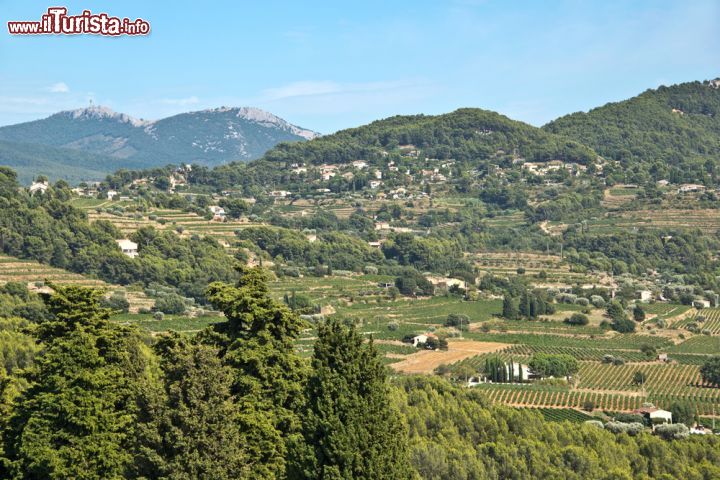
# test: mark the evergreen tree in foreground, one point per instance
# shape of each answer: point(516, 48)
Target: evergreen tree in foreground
point(350, 426)
point(257, 342)
point(77, 418)
point(190, 426)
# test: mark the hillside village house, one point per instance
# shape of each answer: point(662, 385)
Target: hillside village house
point(128, 247)
point(421, 339)
point(691, 187)
point(644, 295)
point(328, 171)
point(701, 303)
point(38, 187)
point(111, 194)
point(655, 415)
point(446, 282)
point(280, 193)
point(359, 164)
point(218, 212)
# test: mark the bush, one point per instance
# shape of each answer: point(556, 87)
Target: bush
point(158, 315)
point(588, 405)
point(595, 423)
point(674, 431)
point(582, 301)
point(458, 320)
point(623, 325)
point(171, 304)
point(597, 301)
point(577, 319)
point(116, 302)
point(629, 418)
point(631, 429)
point(393, 326)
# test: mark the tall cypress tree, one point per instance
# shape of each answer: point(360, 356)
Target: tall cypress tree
point(350, 426)
point(510, 308)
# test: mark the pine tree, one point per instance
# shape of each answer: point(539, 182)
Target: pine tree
point(350, 426)
point(258, 343)
point(77, 418)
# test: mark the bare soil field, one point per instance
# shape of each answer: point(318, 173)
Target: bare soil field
point(426, 361)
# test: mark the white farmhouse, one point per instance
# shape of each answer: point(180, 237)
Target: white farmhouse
point(656, 415)
point(128, 247)
point(38, 187)
point(644, 295)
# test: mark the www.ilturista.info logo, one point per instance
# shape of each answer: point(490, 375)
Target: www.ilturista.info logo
point(57, 22)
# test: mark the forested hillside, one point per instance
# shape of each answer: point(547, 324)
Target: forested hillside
point(236, 401)
point(465, 134)
point(670, 132)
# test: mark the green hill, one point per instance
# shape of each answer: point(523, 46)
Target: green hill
point(676, 126)
point(466, 134)
point(31, 160)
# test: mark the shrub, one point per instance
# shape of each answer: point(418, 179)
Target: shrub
point(158, 315)
point(597, 301)
point(170, 303)
point(588, 405)
point(631, 429)
point(674, 431)
point(393, 326)
point(595, 423)
point(117, 302)
point(629, 418)
point(582, 301)
point(577, 319)
point(458, 320)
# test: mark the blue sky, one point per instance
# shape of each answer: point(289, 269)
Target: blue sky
point(328, 65)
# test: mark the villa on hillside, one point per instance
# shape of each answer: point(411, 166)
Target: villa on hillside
point(655, 415)
point(38, 187)
point(128, 247)
point(218, 213)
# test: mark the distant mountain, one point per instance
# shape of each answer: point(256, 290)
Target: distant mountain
point(670, 126)
point(106, 140)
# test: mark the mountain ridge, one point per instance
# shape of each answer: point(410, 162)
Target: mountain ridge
point(207, 137)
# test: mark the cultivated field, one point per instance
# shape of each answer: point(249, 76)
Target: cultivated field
point(36, 275)
point(426, 361)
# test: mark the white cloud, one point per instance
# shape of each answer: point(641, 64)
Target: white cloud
point(327, 88)
point(181, 101)
point(301, 89)
point(60, 87)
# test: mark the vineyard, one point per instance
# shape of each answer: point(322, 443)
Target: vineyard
point(36, 275)
point(707, 319)
point(564, 415)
